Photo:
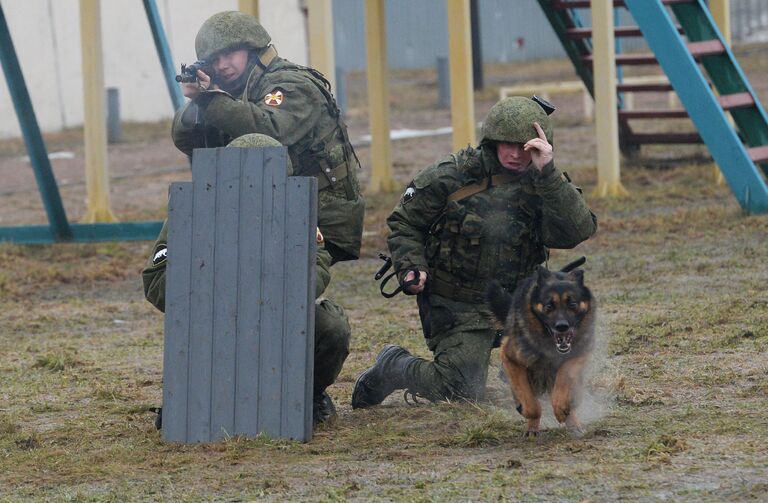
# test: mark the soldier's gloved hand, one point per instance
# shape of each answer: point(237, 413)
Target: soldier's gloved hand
point(419, 287)
point(540, 149)
point(192, 89)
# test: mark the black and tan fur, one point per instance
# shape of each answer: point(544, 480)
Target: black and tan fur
point(548, 339)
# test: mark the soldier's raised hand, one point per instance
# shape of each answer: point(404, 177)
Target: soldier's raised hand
point(540, 149)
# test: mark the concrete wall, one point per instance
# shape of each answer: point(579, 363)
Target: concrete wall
point(417, 32)
point(749, 20)
point(46, 35)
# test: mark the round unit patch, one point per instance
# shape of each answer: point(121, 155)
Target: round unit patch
point(274, 99)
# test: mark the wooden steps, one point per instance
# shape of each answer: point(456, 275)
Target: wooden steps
point(697, 49)
point(620, 31)
point(586, 4)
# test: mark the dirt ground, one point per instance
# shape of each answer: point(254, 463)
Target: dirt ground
point(678, 391)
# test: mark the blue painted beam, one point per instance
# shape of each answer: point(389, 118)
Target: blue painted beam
point(124, 231)
point(725, 74)
point(693, 90)
point(618, 47)
point(38, 154)
point(164, 52)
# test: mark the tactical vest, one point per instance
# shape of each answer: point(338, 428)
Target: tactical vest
point(490, 232)
point(326, 153)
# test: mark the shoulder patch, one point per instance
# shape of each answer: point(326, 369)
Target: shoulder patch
point(160, 255)
point(274, 98)
point(409, 194)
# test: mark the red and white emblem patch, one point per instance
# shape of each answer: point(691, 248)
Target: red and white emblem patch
point(274, 99)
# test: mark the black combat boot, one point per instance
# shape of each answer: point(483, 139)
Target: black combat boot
point(323, 409)
point(387, 375)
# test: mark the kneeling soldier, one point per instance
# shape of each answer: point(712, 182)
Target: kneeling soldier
point(481, 213)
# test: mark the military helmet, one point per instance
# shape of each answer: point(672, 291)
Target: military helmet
point(229, 29)
point(511, 120)
point(259, 140)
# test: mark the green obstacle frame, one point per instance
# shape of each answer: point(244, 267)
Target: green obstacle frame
point(740, 149)
point(59, 229)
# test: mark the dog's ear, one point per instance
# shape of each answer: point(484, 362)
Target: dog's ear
point(542, 273)
point(577, 275)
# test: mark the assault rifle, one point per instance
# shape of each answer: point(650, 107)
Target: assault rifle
point(189, 72)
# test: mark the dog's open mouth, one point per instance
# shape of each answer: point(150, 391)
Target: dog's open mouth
point(562, 340)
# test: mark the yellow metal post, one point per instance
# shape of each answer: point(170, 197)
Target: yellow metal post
point(94, 122)
point(320, 22)
point(460, 53)
point(721, 12)
point(249, 7)
point(606, 120)
point(378, 98)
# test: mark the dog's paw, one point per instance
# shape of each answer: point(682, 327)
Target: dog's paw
point(563, 414)
point(574, 426)
point(531, 434)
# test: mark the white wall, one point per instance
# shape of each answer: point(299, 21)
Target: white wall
point(46, 35)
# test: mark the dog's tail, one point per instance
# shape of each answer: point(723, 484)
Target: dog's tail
point(499, 300)
point(573, 265)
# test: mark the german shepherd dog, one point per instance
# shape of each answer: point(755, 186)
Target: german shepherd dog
point(548, 339)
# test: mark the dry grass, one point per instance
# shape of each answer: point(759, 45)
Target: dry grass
point(683, 321)
point(679, 391)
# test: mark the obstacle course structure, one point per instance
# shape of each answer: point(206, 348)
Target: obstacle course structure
point(59, 229)
point(704, 73)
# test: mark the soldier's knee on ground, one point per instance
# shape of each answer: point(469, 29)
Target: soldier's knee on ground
point(332, 336)
point(458, 371)
point(332, 326)
point(456, 385)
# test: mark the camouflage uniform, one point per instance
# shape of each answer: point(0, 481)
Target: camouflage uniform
point(332, 331)
point(291, 103)
point(462, 241)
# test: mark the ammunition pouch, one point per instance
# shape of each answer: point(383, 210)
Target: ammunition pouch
point(329, 177)
point(455, 290)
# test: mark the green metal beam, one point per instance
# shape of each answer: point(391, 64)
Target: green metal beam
point(725, 73)
point(575, 49)
point(38, 154)
point(42, 234)
point(699, 100)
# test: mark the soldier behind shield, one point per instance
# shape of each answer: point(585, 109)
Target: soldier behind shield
point(253, 90)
